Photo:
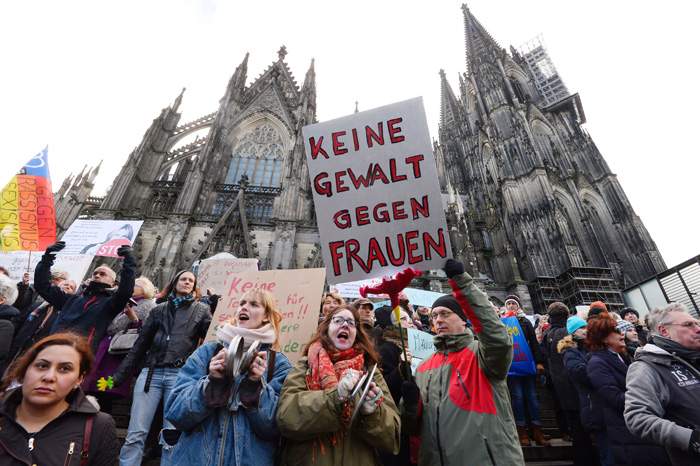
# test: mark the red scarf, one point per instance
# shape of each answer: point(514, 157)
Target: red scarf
point(328, 368)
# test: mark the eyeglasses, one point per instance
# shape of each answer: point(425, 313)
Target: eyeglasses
point(338, 320)
point(688, 324)
point(441, 314)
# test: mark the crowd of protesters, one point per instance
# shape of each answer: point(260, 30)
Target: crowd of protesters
point(625, 392)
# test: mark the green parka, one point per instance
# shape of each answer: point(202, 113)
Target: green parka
point(464, 416)
point(304, 416)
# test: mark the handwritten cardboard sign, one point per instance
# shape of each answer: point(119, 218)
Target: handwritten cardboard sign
point(100, 237)
point(376, 193)
point(297, 293)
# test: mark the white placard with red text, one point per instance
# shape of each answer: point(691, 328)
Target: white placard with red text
point(376, 192)
point(100, 237)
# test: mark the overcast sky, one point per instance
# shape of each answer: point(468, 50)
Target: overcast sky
point(87, 78)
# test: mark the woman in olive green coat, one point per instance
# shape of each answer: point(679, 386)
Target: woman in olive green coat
point(315, 406)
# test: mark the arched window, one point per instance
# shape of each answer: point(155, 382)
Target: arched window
point(258, 155)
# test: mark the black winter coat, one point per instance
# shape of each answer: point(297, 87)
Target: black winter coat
point(566, 393)
point(155, 348)
point(33, 328)
point(52, 444)
point(607, 374)
point(88, 312)
point(575, 362)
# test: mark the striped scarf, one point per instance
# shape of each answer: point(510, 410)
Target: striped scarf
point(179, 301)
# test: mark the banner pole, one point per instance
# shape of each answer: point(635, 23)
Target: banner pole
point(29, 262)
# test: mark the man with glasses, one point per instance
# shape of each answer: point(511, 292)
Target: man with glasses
point(459, 402)
point(89, 311)
point(662, 402)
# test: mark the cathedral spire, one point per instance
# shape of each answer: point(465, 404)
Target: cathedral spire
point(478, 42)
point(308, 89)
point(178, 101)
point(449, 107)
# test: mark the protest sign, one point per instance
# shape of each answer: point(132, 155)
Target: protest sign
point(376, 193)
point(421, 297)
point(16, 264)
point(523, 363)
point(297, 293)
point(214, 272)
point(421, 346)
point(352, 289)
point(100, 237)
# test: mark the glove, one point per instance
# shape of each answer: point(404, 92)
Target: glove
point(126, 252)
point(55, 247)
point(347, 383)
point(694, 445)
point(370, 405)
point(453, 268)
point(410, 392)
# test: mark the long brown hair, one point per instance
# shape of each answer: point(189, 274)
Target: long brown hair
point(170, 288)
point(21, 364)
point(597, 330)
point(362, 340)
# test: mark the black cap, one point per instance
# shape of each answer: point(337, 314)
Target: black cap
point(450, 303)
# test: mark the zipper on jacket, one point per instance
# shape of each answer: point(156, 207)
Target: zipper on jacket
point(488, 450)
point(464, 387)
point(69, 456)
point(437, 412)
point(222, 440)
point(30, 444)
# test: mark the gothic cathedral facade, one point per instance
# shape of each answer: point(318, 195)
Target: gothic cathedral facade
point(527, 192)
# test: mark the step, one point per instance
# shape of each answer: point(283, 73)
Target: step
point(560, 450)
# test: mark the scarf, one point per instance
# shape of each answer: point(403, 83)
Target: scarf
point(179, 301)
point(326, 370)
point(675, 348)
point(264, 334)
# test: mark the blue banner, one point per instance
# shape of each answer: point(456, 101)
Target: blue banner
point(523, 363)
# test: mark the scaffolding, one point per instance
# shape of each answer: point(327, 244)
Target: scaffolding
point(547, 80)
point(577, 286)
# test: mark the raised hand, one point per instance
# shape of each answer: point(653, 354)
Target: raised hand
point(217, 365)
point(55, 247)
point(258, 367)
point(453, 268)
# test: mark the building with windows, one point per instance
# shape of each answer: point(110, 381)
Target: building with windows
point(532, 205)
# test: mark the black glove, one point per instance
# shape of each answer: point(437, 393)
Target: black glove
point(410, 392)
point(55, 247)
point(453, 268)
point(694, 445)
point(126, 252)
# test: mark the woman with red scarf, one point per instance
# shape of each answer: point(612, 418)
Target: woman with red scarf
point(316, 404)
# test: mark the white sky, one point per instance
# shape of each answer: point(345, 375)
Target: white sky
point(87, 78)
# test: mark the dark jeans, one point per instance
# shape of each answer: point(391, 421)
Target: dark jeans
point(523, 397)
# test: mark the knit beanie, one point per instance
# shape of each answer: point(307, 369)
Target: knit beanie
point(599, 305)
point(513, 298)
point(629, 310)
point(450, 303)
point(574, 323)
point(623, 326)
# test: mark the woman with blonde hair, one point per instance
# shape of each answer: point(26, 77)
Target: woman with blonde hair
point(227, 415)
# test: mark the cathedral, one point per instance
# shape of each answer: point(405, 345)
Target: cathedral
point(532, 206)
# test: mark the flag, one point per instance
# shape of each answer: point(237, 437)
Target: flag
point(27, 212)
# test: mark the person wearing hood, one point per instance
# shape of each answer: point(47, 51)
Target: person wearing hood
point(226, 418)
point(564, 393)
point(171, 333)
point(90, 311)
point(607, 370)
point(459, 402)
point(48, 420)
point(632, 316)
point(662, 403)
point(586, 419)
point(316, 406)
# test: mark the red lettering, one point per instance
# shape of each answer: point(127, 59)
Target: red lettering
point(392, 171)
point(339, 182)
point(316, 148)
point(415, 161)
point(234, 286)
point(378, 173)
point(396, 260)
point(355, 141)
point(322, 187)
point(352, 247)
point(394, 131)
point(362, 215)
point(360, 180)
point(381, 215)
point(377, 137)
point(411, 246)
point(397, 209)
point(336, 255)
point(440, 247)
point(338, 145)
point(423, 207)
point(375, 254)
point(342, 219)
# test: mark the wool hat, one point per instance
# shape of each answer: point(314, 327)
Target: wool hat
point(623, 326)
point(574, 323)
point(596, 308)
point(513, 298)
point(450, 303)
point(629, 310)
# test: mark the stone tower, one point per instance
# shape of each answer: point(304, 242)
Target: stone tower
point(530, 195)
point(234, 180)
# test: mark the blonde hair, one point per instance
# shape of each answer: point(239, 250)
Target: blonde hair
point(149, 289)
point(272, 314)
